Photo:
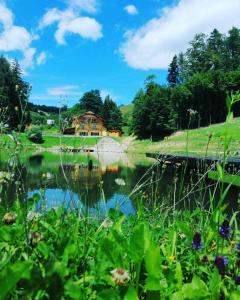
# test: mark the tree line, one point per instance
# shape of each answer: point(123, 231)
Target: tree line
point(14, 93)
point(16, 112)
point(107, 109)
point(198, 83)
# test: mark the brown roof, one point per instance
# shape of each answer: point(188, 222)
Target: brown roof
point(88, 113)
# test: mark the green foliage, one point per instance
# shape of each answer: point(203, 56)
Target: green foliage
point(91, 101)
point(78, 258)
point(199, 81)
point(151, 112)
point(34, 135)
point(173, 72)
point(14, 93)
point(112, 115)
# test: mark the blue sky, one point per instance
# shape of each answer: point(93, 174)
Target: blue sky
point(67, 47)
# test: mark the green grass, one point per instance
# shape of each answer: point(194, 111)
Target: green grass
point(194, 141)
point(50, 141)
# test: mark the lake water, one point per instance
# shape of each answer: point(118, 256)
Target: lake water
point(96, 182)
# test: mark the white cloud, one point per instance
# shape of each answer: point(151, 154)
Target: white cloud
point(105, 93)
point(28, 59)
point(70, 21)
point(89, 6)
point(41, 59)
point(131, 9)
point(153, 45)
point(16, 38)
point(85, 27)
point(66, 90)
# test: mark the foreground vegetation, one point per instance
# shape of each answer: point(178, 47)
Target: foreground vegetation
point(55, 254)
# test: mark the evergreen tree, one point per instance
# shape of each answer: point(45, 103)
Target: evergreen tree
point(173, 72)
point(14, 94)
point(197, 54)
point(91, 101)
point(182, 68)
point(215, 51)
point(112, 115)
point(233, 49)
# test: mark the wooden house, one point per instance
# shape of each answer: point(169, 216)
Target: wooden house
point(89, 124)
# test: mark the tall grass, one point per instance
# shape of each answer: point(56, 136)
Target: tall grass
point(186, 246)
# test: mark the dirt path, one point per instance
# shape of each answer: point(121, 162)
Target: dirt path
point(107, 144)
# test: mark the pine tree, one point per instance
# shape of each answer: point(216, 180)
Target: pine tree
point(173, 72)
point(112, 115)
point(91, 101)
point(14, 92)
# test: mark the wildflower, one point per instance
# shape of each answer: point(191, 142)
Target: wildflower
point(33, 215)
point(16, 108)
point(238, 249)
point(221, 263)
point(205, 259)
point(171, 257)
point(224, 229)
point(120, 181)
point(107, 223)
point(4, 177)
point(238, 263)
point(237, 280)
point(196, 243)
point(232, 244)
point(9, 218)
point(210, 135)
point(120, 276)
point(16, 87)
point(35, 237)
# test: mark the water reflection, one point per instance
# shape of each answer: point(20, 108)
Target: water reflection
point(85, 182)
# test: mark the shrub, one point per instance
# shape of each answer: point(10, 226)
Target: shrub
point(35, 135)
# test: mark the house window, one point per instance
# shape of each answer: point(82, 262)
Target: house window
point(94, 127)
point(84, 120)
point(94, 133)
point(94, 120)
point(82, 127)
point(83, 133)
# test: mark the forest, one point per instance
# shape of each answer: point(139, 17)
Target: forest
point(198, 82)
point(16, 109)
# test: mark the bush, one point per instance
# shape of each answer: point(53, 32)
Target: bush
point(35, 135)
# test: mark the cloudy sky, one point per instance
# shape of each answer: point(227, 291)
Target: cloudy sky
point(67, 47)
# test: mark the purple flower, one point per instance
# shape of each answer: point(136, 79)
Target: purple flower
point(238, 263)
point(197, 243)
point(224, 230)
point(221, 263)
point(238, 249)
point(237, 280)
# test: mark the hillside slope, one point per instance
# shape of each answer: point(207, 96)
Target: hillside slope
point(200, 141)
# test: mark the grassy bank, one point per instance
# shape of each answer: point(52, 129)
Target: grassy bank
point(197, 141)
point(49, 141)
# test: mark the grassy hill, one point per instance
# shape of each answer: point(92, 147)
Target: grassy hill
point(127, 117)
point(196, 141)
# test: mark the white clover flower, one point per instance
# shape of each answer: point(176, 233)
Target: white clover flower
point(9, 218)
point(35, 237)
point(107, 223)
point(33, 215)
point(120, 276)
point(120, 181)
point(4, 176)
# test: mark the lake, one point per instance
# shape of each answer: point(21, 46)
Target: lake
point(96, 182)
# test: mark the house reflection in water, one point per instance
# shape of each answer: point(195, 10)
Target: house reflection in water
point(88, 178)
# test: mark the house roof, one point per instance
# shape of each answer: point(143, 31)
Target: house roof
point(89, 113)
